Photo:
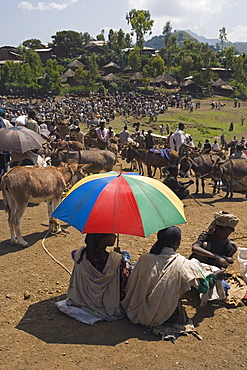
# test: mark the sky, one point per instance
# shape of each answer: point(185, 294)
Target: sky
point(22, 20)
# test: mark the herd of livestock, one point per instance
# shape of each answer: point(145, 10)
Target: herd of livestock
point(72, 161)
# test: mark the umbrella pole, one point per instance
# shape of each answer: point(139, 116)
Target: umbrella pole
point(117, 248)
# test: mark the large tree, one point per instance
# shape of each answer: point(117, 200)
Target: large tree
point(93, 66)
point(141, 23)
point(222, 36)
point(34, 61)
point(52, 79)
point(33, 44)
point(134, 59)
point(71, 41)
point(167, 32)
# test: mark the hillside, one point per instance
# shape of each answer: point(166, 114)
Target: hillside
point(157, 42)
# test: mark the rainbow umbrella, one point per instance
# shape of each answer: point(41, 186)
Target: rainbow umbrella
point(121, 203)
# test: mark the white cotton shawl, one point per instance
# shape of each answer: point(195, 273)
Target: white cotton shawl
point(98, 294)
point(156, 285)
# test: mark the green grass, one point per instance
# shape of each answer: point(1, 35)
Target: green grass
point(204, 123)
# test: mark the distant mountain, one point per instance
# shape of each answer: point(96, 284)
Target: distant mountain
point(203, 39)
point(157, 42)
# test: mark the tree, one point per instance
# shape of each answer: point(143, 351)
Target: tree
point(8, 72)
point(80, 73)
point(229, 58)
point(25, 76)
point(222, 36)
point(238, 69)
point(33, 44)
point(101, 36)
point(134, 59)
point(86, 38)
point(141, 23)
point(168, 52)
point(158, 65)
point(121, 39)
point(52, 80)
point(209, 60)
point(33, 59)
point(71, 41)
point(112, 38)
point(186, 65)
point(93, 66)
point(128, 40)
point(167, 31)
point(21, 50)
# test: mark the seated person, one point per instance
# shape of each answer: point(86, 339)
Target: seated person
point(98, 281)
point(179, 188)
point(206, 147)
point(158, 281)
point(213, 246)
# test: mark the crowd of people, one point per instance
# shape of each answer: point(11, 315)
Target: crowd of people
point(104, 284)
point(90, 110)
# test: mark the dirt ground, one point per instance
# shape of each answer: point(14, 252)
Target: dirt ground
point(35, 335)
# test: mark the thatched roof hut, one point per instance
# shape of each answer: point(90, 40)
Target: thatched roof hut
point(95, 47)
point(189, 86)
point(136, 78)
point(221, 87)
point(111, 68)
point(110, 78)
point(68, 76)
point(166, 81)
point(128, 69)
point(75, 64)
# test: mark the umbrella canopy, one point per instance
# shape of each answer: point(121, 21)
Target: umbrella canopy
point(19, 139)
point(125, 203)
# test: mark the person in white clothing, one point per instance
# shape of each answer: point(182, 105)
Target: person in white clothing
point(178, 138)
point(215, 146)
point(124, 136)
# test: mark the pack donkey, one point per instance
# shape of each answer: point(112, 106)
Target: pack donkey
point(232, 170)
point(151, 159)
point(202, 167)
point(35, 184)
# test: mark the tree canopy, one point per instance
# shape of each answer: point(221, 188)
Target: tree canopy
point(71, 41)
point(141, 23)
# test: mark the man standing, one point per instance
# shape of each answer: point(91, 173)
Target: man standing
point(178, 138)
point(31, 123)
point(124, 136)
point(102, 135)
point(139, 138)
point(149, 141)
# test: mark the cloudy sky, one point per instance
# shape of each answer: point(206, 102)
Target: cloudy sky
point(22, 20)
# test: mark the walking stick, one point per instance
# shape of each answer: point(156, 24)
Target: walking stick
point(195, 200)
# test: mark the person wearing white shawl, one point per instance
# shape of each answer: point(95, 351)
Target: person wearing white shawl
point(158, 281)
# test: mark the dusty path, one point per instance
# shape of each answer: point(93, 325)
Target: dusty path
point(35, 335)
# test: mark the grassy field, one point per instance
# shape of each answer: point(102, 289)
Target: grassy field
point(203, 123)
